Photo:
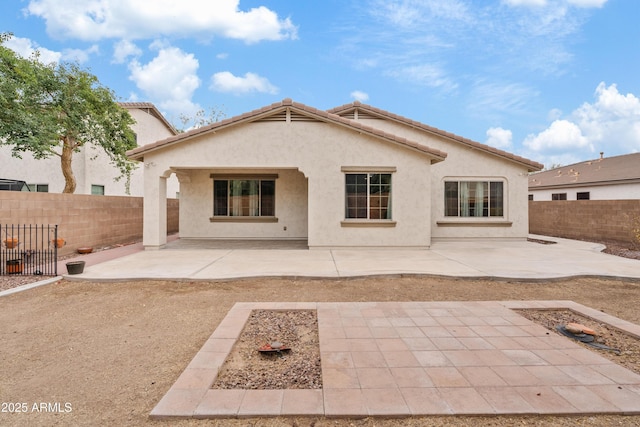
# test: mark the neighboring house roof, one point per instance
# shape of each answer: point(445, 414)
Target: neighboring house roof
point(605, 170)
point(151, 109)
point(295, 112)
point(357, 109)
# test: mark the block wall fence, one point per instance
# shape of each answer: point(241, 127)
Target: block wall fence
point(83, 220)
point(590, 220)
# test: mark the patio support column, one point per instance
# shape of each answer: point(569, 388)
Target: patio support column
point(155, 212)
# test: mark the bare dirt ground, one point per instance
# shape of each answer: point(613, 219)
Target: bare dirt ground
point(106, 353)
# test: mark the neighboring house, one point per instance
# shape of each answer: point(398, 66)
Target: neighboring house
point(605, 178)
point(92, 169)
point(355, 176)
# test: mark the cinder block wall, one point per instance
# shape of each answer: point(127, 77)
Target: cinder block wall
point(599, 220)
point(83, 220)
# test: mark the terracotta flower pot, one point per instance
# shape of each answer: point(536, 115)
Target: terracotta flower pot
point(11, 242)
point(59, 242)
point(14, 266)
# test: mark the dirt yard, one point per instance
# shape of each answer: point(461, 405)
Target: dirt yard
point(78, 353)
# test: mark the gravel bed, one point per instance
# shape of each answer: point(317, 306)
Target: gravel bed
point(297, 368)
point(13, 281)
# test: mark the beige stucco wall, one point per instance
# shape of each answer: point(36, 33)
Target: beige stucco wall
point(463, 163)
point(32, 171)
point(318, 151)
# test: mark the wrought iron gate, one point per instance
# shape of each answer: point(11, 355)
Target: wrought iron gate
point(29, 249)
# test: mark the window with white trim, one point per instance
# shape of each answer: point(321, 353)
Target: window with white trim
point(244, 197)
point(368, 196)
point(474, 199)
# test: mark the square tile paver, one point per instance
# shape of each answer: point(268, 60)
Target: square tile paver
point(425, 401)
point(375, 378)
point(505, 401)
point(345, 403)
point(261, 403)
point(411, 377)
point(302, 402)
point(384, 401)
point(220, 403)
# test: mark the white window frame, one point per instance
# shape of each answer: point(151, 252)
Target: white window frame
point(475, 221)
point(244, 218)
point(368, 222)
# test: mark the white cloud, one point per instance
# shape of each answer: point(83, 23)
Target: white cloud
point(26, 48)
point(587, 3)
point(126, 19)
point(225, 81)
point(610, 124)
point(489, 98)
point(540, 3)
point(79, 55)
point(169, 79)
point(499, 138)
point(358, 95)
point(554, 114)
point(562, 135)
point(409, 13)
point(124, 49)
point(425, 75)
point(527, 3)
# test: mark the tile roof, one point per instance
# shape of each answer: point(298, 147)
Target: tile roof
point(373, 111)
point(275, 108)
point(604, 170)
point(151, 109)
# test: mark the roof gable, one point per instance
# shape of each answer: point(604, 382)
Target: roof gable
point(604, 170)
point(357, 110)
point(288, 111)
point(150, 109)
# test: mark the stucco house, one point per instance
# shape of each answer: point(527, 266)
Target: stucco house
point(91, 167)
point(604, 178)
point(351, 177)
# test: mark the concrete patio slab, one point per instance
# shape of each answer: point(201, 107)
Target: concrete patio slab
point(245, 263)
point(519, 369)
point(208, 260)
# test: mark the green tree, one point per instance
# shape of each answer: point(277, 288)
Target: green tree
point(56, 109)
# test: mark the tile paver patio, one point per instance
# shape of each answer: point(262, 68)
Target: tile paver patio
point(420, 358)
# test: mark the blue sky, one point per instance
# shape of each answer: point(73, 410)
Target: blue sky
point(556, 81)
